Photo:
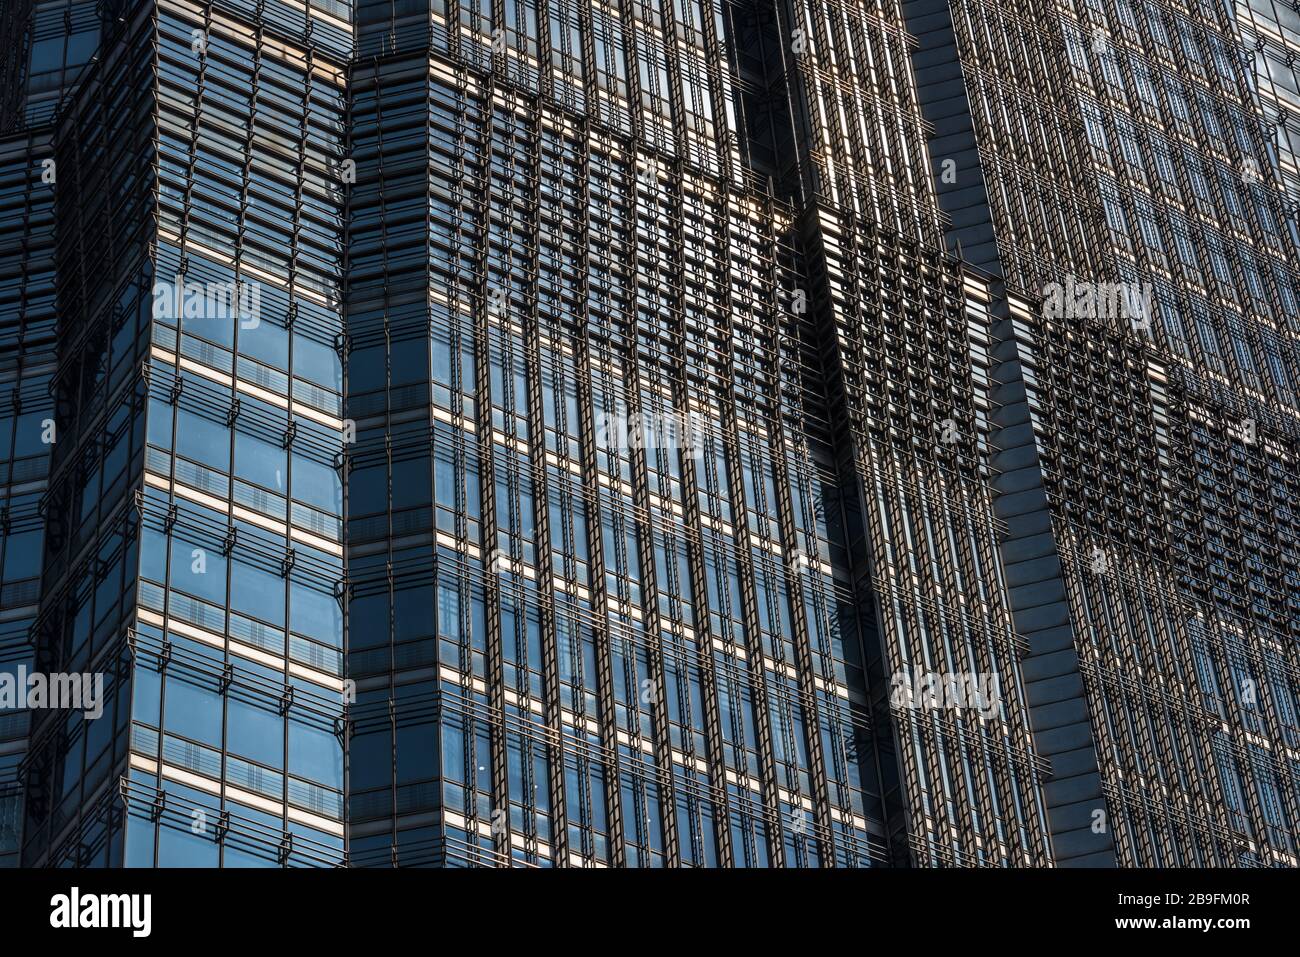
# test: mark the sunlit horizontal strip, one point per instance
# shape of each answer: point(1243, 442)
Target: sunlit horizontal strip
point(244, 651)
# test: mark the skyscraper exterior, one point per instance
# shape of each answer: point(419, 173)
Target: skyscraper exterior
point(42, 48)
point(641, 434)
point(1167, 442)
point(192, 514)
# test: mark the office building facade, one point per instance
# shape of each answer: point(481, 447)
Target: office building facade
point(44, 47)
point(648, 434)
point(1162, 167)
point(192, 517)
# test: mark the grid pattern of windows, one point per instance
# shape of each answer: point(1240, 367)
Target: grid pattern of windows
point(44, 45)
point(906, 338)
point(27, 364)
point(90, 551)
point(195, 549)
point(1270, 35)
point(913, 340)
point(1169, 453)
point(574, 414)
point(599, 651)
